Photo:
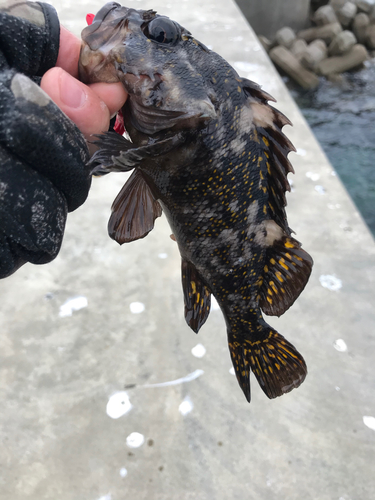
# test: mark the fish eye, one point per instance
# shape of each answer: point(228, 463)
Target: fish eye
point(162, 30)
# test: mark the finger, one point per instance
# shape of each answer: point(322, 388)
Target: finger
point(70, 47)
point(113, 94)
point(80, 103)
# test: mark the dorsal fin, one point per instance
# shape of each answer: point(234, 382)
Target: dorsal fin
point(268, 123)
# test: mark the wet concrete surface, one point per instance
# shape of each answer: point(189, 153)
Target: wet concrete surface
point(63, 378)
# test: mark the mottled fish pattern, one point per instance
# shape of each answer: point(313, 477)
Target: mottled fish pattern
point(208, 150)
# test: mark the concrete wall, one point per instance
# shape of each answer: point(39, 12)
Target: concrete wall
point(267, 16)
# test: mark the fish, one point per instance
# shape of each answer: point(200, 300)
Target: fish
point(206, 147)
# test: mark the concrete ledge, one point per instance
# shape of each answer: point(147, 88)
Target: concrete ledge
point(59, 372)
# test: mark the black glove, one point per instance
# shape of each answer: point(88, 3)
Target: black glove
point(43, 155)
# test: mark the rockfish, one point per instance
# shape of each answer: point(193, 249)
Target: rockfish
point(208, 150)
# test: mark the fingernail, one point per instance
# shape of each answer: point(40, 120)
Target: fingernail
point(71, 92)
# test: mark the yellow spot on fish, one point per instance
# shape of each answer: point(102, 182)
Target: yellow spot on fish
point(282, 263)
point(279, 276)
point(272, 283)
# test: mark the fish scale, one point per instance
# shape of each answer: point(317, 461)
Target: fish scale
point(208, 150)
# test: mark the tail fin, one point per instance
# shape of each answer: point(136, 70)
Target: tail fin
point(275, 362)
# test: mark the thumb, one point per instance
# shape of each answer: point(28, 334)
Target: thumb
point(80, 103)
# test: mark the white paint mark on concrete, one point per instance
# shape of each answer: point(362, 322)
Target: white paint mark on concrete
point(333, 206)
point(330, 282)
point(231, 371)
point(340, 345)
point(118, 405)
point(337, 388)
point(162, 255)
point(320, 189)
point(313, 176)
point(137, 307)
point(301, 152)
point(188, 378)
point(214, 305)
point(135, 440)
point(106, 497)
point(71, 305)
point(123, 472)
point(186, 406)
point(369, 422)
point(198, 351)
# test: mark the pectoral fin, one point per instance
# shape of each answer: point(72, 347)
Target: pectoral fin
point(285, 275)
point(117, 154)
point(134, 210)
point(197, 297)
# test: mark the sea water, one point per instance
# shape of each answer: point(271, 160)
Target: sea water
point(342, 117)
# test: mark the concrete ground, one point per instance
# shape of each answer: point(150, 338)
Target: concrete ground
point(89, 409)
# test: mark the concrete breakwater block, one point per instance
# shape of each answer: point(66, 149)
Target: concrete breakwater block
point(360, 25)
point(346, 14)
point(343, 31)
point(324, 15)
point(337, 4)
point(342, 43)
point(338, 64)
point(285, 37)
point(285, 60)
point(326, 33)
point(266, 43)
point(298, 48)
point(314, 53)
point(365, 5)
point(370, 36)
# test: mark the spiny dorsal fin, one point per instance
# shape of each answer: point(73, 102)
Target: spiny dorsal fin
point(134, 211)
point(268, 123)
point(197, 297)
point(286, 271)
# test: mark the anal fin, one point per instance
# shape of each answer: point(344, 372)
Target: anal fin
point(285, 275)
point(134, 210)
point(197, 297)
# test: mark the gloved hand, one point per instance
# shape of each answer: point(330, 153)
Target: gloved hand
point(43, 154)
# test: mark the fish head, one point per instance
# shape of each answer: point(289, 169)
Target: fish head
point(151, 55)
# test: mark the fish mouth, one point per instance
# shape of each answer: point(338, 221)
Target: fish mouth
point(95, 66)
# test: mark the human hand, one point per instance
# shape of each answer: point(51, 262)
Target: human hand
point(43, 153)
point(89, 107)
